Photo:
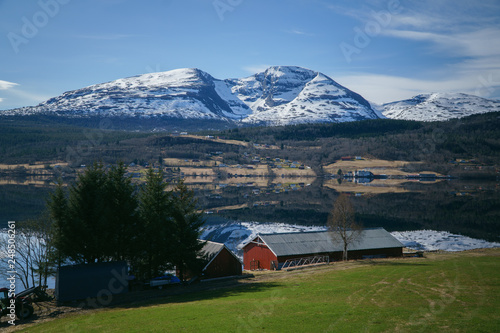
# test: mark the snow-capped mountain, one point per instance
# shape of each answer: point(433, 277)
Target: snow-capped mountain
point(279, 96)
point(291, 95)
point(439, 106)
point(182, 93)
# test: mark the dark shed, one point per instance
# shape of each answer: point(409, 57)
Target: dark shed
point(100, 280)
point(220, 261)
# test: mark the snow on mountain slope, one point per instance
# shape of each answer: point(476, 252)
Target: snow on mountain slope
point(239, 109)
point(182, 93)
point(283, 95)
point(275, 86)
point(439, 107)
point(319, 100)
point(280, 95)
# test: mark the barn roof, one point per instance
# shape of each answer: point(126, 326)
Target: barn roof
point(293, 243)
point(211, 249)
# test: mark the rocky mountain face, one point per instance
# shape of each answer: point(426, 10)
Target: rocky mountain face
point(439, 107)
point(279, 96)
point(293, 95)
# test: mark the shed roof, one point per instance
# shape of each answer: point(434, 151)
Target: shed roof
point(286, 244)
point(211, 249)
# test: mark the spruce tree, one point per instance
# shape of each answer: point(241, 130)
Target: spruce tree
point(187, 223)
point(154, 242)
point(57, 205)
point(121, 223)
point(87, 212)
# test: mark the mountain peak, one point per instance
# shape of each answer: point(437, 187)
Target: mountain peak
point(439, 106)
point(286, 70)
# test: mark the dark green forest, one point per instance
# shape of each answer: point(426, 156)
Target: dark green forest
point(26, 140)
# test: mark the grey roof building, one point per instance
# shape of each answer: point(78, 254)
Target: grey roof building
point(278, 247)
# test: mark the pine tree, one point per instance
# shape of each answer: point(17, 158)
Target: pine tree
point(188, 221)
point(87, 212)
point(57, 205)
point(121, 213)
point(154, 242)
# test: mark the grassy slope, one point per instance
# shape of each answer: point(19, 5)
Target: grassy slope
point(443, 292)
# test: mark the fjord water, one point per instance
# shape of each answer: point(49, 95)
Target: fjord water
point(470, 208)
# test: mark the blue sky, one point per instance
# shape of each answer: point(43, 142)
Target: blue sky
point(385, 50)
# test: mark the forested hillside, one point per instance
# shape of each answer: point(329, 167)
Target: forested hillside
point(436, 144)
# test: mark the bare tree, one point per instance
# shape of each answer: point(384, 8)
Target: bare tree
point(34, 261)
point(342, 224)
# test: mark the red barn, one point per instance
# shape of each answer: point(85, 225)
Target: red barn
point(270, 251)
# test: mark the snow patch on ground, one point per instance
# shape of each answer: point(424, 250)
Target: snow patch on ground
point(431, 240)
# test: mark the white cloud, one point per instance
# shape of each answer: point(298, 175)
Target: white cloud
point(478, 43)
point(4, 85)
point(464, 32)
point(29, 96)
point(419, 35)
point(15, 97)
point(299, 32)
point(253, 69)
point(7, 86)
point(476, 65)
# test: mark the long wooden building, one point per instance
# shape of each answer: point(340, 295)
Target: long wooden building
point(271, 251)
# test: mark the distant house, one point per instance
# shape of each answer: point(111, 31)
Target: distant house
point(346, 158)
point(220, 261)
point(271, 251)
point(363, 174)
point(427, 175)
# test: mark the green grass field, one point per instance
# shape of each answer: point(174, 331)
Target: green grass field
point(449, 292)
